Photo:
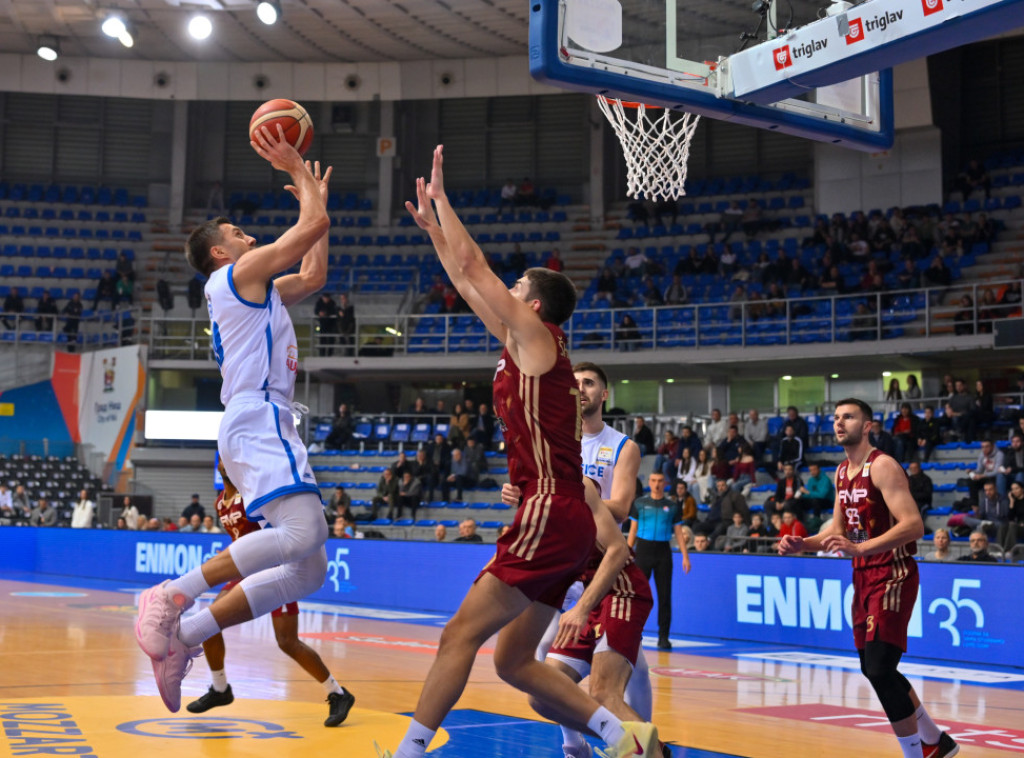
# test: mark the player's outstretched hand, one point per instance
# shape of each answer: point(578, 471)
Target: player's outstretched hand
point(423, 213)
point(510, 494)
point(790, 544)
point(276, 150)
point(570, 627)
point(322, 181)
point(435, 190)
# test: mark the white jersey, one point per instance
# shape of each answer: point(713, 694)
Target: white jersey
point(254, 343)
point(600, 454)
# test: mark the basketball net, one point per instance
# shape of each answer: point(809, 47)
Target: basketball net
point(656, 146)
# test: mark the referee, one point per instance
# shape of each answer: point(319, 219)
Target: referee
point(652, 520)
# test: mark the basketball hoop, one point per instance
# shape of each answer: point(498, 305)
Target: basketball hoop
point(656, 148)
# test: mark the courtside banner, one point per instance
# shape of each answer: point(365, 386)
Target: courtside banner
point(963, 612)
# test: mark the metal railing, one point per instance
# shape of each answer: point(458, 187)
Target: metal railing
point(100, 330)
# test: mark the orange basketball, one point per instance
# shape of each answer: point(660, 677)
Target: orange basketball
point(297, 126)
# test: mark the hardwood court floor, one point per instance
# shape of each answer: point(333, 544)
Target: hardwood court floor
point(68, 657)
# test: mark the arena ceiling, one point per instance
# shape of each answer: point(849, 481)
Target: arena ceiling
point(321, 30)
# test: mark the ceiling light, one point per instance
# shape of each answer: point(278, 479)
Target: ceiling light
point(787, 378)
point(114, 27)
point(625, 381)
point(835, 376)
point(126, 38)
point(886, 373)
point(49, 48)
point(200, 26)
point(670, 381)
point(392, 331)
point(268, 11)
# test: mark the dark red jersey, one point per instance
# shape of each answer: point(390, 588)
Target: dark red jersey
point(866, 515)
point(541, 419)
point(232, 515)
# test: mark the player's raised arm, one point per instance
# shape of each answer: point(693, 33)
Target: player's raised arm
point(252, 272)
point(889, 477)
point(312, 274)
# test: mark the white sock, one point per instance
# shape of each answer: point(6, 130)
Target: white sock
point(571, 738)
point(220, 680)
point(606, 724)
point(330, 685)
point(911, 746)
point(197, 628)
point(415, 742)
point(191, 585)
point(926, 728)
point(639, 696)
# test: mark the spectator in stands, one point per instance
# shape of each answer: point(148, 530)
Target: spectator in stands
point(964, 318)
point(973, 177)
point(386, 493)
point(790, 449)
point(209, 526)
point(606, 287)
point(920, 486)
point(684, 470)
point(459, 474)
point(410, 491)
point(990, 461)
point(326, 312)
point(475, 457)
point(941, 551)
point(799, 425)
point(43, 514)
point(701, 543)
point(458, 426)
point(194, 508)
point(195, 524)
point(792, 525)
point(906, 431)
point(964, 419)
point(755, 431)
point(483, 427)
point(635, 261)
point(125, 289)
point(729, 447)
point(752, 219)
point(106, 289)
point(340, 502)
point(439, 454)
point(508, 197)
point(724, 502)
point(440, 533)
point(687, 504)
point(341, 429)
point(120, 524)
point(19, 502)
point(346, 324)
point(881, 439)
point(554, 260)
point(816, 495)
point(736, 535)
point(168, 525)
point(984, 407)
point(467, 531)
point(716, 429)
point(627, 334)
point(13, 304)
point(744, 470)
point(341, 529)
point(46, 309)
point(141, 522)
point(979, 550)
point(665, 451)
point(526, 194)
point(787, 490)
point(152, 525)
point(893, 397)
point(6, 503)
point(72, 313)
point(938, 274)
point(929, 433)
point(642, 435)
point(859, 248)
point(84, 511)
point(709, 263)
point(912, 392)
point(676, 293)
point(1012, 469)
point(129, 513)
point(651, 294)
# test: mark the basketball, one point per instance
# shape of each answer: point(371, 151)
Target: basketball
point(294, 121)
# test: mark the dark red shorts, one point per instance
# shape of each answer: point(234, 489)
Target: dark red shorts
point(883, 601)
point(291, 609)
point(547, 548)
point(619, 618)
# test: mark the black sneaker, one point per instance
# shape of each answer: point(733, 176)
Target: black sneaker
point(664, 644)
point(341, 703)
point(946, 747)
point(211, 699)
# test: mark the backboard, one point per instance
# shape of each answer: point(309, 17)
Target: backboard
point(675, 54)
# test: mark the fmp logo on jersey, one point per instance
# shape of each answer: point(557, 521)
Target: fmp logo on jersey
point(782, 58)
point(931, 6)
point(856, 33)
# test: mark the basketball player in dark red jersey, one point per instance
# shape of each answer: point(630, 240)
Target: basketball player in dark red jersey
point(536, 400)
point(231, 512)
point(877, 523)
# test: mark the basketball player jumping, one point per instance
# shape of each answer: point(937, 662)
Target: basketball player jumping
point(877, 523)
point(537, 403)
point(231, 513)
point(255, 346)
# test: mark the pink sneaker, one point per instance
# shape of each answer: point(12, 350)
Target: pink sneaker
point(155, 624)
point(172, 669)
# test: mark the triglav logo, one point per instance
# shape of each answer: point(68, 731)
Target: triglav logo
point(782, 58)
point(206, 728)
point(856, 33)
point(931, 6)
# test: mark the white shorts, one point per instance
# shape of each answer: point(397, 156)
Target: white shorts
point(262, 451)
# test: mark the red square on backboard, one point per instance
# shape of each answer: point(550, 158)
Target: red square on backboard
point(856, 33)
point(931, 6)
point(782, 57)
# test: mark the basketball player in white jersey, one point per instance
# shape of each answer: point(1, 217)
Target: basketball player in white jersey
point(255, 346)
point(612, 460)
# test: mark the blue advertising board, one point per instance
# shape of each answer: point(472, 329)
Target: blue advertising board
point(962, 612)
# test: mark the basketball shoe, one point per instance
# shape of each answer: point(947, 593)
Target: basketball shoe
point(340, 704)
point(211, 699)
point(155, 624)
point(946, 747)
point(172, 669)
point(640, 739)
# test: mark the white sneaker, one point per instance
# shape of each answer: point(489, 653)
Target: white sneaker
point(155, 623)
point(172, 669)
